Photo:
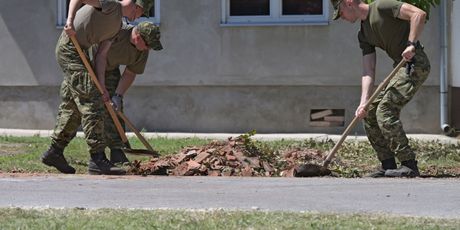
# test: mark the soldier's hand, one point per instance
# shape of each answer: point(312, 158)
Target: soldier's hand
point(105, 95)
point(361, 112)
point(69, 29)
point(117, 102)
point(409, 53)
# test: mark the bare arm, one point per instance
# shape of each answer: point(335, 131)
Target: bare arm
point(74, 5)
point(367, 83)
point(126, 81)
point(101, 64)
point(417, 18)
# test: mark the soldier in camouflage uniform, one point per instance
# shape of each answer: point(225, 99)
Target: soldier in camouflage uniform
point(130, 48)
point(97, 22)
point(394, 27)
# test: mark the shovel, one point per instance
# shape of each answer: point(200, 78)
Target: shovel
point(310, 170)
point(149, 151)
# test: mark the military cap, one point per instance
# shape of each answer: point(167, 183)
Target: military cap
point(336, 5)
point(150, 33)
point(146, 5)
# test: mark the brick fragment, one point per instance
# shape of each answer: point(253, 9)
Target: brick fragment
point(201, 157)
point(230, 157)
point(253, 162)
point(247, 171)
point(288, 173)
point(213, 172)
point(267, 167)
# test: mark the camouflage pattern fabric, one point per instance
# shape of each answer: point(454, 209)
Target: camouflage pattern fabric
point(81, 101)
point(151, 34)
point(113, 139)
point(383, 126)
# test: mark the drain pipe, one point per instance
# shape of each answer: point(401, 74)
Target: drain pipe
point(443, 83)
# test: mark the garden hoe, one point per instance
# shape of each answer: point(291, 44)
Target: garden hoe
point(149, 151)
point(311, 170)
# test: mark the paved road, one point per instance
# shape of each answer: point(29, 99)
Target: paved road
point(411, 197)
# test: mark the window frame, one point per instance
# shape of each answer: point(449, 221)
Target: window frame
point(155, 20)
point(275, 18)
point(61, 14)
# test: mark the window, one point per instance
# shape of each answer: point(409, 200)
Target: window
point(274, 12)
point(154, 15)
point(249, 8)
point(63, 6)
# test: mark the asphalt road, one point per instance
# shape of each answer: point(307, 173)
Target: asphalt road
point(408, 197)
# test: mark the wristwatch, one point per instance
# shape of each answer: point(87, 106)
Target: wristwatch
point(118, 95)
point(409, 43)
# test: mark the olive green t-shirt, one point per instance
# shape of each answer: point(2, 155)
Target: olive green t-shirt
point(94, 25)
point(123, 52)
point(382, 28)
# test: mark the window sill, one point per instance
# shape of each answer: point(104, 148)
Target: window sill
point(241, 24)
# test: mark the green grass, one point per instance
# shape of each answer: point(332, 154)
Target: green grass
point(22, 154)
point(14, 218)
point(354, 159)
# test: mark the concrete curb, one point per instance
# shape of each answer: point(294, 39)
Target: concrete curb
point(222, 136)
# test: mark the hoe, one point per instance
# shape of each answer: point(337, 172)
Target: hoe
point(311, 170)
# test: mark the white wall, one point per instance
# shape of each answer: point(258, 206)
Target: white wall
point(210, 78)
point(455, 33)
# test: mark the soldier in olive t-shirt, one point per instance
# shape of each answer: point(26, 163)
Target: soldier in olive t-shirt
point(130, 48)
point(394, 27)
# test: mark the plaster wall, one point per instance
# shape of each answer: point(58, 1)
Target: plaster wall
point(209, 78)
point(267, 109)
point(455, 33)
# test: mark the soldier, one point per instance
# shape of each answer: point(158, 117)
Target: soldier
point(97, 22)
point(394, 27)
point(130, 48)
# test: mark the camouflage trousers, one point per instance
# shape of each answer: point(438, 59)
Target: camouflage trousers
point(383, 125)
point(81, 102)
point(113, 139)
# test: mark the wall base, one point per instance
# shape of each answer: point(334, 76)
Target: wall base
point(217, 109)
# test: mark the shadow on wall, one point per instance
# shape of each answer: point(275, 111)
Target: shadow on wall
point(30, 75)
point(31, 26)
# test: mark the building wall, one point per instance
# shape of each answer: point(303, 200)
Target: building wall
point(210, 78)
point(455, 68)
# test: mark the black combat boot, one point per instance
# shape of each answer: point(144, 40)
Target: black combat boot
point(55, 157)
point(408, 169)
point(99, 164)
point(117, 156)
point(386, 164)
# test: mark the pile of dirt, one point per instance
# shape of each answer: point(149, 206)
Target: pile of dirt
point(234, 157)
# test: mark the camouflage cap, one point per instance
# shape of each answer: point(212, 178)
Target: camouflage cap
point(336, 5)
point(146, 5)
point(151, 34)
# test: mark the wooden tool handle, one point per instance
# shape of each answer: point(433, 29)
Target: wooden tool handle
point(138, 134)
point(356, 119)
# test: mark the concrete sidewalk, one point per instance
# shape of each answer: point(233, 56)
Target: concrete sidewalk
point(222, 136)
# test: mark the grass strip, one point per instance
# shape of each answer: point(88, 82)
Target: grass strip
point(15, 218)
